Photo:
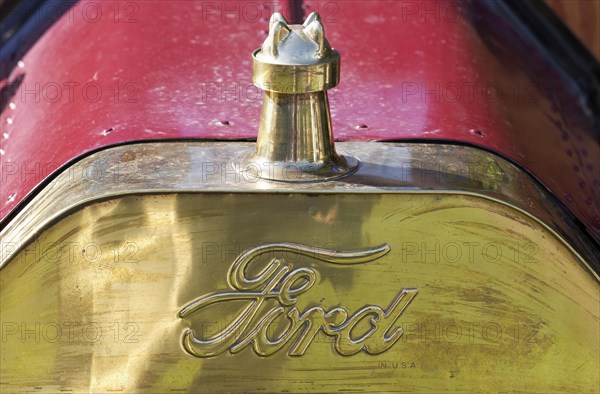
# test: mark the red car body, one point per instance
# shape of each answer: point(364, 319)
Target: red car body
point(114, 72)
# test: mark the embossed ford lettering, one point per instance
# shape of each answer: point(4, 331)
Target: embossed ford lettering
point(272, 294)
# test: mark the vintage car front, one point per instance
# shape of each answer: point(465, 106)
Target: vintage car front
point(160, 232)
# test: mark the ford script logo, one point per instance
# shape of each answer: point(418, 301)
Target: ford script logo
point(271, 294)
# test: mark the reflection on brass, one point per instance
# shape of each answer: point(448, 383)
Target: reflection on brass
point(205, 167)
point(499, 296)
point(97, 270)
point(296, 66)
point(273, 293)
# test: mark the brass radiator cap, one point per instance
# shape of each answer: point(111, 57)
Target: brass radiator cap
point(296, 66)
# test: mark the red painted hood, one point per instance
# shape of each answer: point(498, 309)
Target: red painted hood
point(113, 72)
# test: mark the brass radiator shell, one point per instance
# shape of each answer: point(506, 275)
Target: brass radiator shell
point(501, 298)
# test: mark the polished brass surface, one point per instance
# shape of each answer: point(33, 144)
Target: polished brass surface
point(220, 167)
point(156, 267)
point(296, 66)
point(446, 292)
point(295, 138)
point(183, 167)
point(296, 58)
point(278, 282)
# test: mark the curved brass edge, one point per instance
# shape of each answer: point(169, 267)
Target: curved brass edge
point(294, 79)
point(338, 166)
point(197, 167)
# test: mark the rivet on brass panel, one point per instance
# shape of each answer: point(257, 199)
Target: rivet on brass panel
point(295, 67)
